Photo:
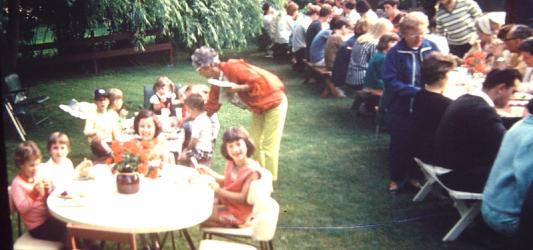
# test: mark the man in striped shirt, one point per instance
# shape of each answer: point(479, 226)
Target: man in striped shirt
point(456, 21)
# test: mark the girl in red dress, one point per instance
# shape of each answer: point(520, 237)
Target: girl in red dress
point(231, 189)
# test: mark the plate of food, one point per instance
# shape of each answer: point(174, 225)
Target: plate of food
point(223, 84)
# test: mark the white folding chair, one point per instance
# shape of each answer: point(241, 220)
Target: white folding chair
point(431, 173)
point(25, 241)
point(259, 192)
point(263, 229)
point(467, 204)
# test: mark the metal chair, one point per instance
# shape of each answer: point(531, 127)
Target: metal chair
point(86, 232)
point(467, 204)
point(22, 104)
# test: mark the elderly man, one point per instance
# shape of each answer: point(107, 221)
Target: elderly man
point(513, 39)
point(456, 21)
point(526, 49)
point(401, 77)
point(470, 132)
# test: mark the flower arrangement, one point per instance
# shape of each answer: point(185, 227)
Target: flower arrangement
point(475, 62)
point(135, 156)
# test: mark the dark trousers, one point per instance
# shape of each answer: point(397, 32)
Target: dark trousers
point(460, 50)
point(299, 56)
point(281, 51)
point(471, 180)
point(523, 235)
point(401, 163)
point(51, 229)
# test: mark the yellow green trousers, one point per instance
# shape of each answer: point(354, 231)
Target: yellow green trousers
point(266, 132)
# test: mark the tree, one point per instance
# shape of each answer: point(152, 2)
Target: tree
point(191, 23)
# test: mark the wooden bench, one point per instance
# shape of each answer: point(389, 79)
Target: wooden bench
point(97, 48)
point(321, 75)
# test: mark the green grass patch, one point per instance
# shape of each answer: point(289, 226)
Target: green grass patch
point(333, 172)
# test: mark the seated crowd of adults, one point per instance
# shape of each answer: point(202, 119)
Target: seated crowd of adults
point(408, 58)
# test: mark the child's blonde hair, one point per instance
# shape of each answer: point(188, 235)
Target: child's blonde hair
point(163, 81)
point(201, 89)
point(26, 151)
point(58, 138)
point(195, 101)
point(115, 94)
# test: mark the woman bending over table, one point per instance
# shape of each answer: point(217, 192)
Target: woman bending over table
point(231, 189)
point(261, 91)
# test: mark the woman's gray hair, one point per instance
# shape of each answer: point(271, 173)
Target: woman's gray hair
point(205, 56)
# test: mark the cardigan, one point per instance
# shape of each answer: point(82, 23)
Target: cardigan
point(468, 136)
point(511, 176)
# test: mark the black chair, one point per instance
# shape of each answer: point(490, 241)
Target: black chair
point(21, 103)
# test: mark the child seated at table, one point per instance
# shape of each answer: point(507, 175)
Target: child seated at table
point(29, 195)
point(231, 189)
point(101, 160)
point(147, 127)
point(59, 168)
point(116, 102)
point(200, 143)
point(164, 100)
point(102, 123)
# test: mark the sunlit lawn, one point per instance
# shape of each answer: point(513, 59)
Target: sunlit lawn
point(333, 172)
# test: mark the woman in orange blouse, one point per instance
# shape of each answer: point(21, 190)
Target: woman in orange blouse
point(261, 91)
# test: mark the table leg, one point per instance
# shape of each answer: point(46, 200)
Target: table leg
point(188, 238)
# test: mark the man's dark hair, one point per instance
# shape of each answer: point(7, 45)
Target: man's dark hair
point(349, 5)
point(520, 31)
point(499, 76)
point(338, 22)
point(390, 2)
point(502, 33)
point(527, 46)
point(325, 10)
point(362, 6)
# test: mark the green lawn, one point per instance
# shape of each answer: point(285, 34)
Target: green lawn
point(333, 172)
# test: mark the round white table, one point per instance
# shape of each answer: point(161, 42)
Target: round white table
point(178, 200)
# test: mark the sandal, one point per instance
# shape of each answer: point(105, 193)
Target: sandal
point(393, 187)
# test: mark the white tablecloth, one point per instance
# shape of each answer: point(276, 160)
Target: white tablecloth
point(175, 201)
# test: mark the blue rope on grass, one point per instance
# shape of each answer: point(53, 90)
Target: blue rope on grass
point(365, 226)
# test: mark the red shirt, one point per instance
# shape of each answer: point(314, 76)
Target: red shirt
point(266, 89)
point(243, 211)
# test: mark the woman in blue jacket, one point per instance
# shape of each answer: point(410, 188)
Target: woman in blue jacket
point(401, 75)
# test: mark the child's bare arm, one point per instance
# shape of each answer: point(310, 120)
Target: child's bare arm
point(218, 177)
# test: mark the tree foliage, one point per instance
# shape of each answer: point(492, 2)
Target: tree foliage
point(190, 23)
